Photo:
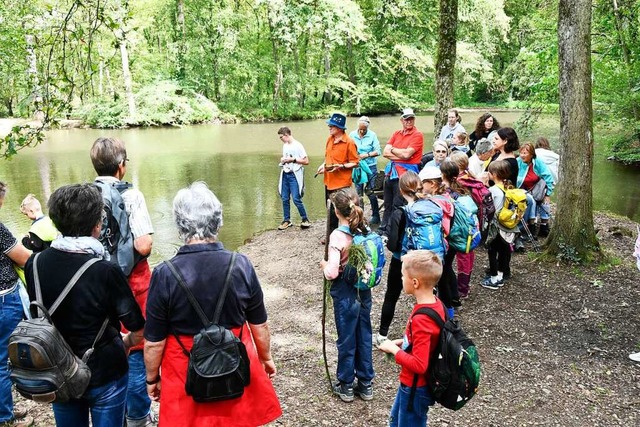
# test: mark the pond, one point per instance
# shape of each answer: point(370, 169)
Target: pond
point(240, 164)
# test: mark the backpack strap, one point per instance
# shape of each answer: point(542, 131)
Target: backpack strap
point(63, 294)
point(67, 288)
point(196, 306)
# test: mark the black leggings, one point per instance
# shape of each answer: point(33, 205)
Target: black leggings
point(499, 256)
point(394, 288)
point(448, 283)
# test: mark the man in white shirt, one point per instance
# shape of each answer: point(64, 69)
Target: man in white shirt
point(291, 184)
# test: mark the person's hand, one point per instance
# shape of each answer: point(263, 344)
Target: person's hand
point(388, 346)
point(153, 390)
point(323, 264)
point(320, 170)
point(546, 200)
point(269, 368)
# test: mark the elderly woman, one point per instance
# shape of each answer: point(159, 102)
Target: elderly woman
point(11, 310)
point(440, 153)
point(102, 292)
point(172, 321)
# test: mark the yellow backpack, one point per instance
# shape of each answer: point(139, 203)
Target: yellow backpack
point(515, 204)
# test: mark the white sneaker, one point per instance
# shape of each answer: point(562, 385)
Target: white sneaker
point(635, 357)
point(378, 339)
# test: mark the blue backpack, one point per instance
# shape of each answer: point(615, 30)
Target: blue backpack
point(465, 233)
point(424, 228)
point(369, 272)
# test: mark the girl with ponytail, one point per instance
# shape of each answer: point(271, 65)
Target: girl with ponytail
point(352, 307)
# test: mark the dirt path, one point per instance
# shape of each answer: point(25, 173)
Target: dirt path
point(553, 342)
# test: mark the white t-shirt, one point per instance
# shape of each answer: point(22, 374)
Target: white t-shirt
point(293, 149)
point(447, 133)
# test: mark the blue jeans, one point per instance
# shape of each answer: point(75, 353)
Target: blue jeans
point(530, 213)
point(373, 199)
point(400, 415)
point(10, 316)
point(543, 210)
point(106, 403)
point(138, 402)
point(352, 311)
point(290, 189)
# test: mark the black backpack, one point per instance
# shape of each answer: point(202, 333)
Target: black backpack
point(43, 367)
point(453, 374)
point(218, 366)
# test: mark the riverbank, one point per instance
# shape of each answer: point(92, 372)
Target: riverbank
point(553, 341)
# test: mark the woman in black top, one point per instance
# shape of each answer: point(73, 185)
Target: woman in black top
point(506, 143)
point(102, 292)
point(11, 309)
point(484, 126)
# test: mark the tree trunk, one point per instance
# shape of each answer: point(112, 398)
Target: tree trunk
point(182, 47)
point(573, 236)
point(126, 75)
point(626, 56)
point(445, 62)
point(34, 82)
point(327, 97)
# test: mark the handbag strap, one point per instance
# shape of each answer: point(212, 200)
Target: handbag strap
point(74, 279)
point(196, 306)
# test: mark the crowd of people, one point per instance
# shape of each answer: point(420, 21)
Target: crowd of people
point(143, 323)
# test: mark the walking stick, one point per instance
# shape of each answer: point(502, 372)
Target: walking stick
point(325, 290)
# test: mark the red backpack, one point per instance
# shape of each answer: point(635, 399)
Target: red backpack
point(483, 198)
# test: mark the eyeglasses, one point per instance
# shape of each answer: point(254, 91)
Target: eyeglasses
point(440, 152)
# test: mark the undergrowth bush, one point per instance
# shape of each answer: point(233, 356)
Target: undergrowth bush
point(157, 104)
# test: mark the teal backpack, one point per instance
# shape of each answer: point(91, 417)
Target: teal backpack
point(366, 257)
point(465, 233)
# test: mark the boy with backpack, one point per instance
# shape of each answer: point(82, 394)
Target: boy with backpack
point(42, 231)
point(421, 270)
point(130, 244)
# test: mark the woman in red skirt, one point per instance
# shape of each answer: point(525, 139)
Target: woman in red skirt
point(203, 263)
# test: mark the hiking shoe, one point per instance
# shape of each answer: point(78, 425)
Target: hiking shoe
point(374, 220)
point(489, 284)
point(305, 223)
point(635, 357)
point(378, 339)
point(284, 225)
point(344, 391)
point(365, 392)
point(505, 276)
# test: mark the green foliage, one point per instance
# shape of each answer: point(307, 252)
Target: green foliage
point(19, 138)
point(161, 103)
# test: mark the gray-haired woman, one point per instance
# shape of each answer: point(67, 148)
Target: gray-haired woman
point(172, 321)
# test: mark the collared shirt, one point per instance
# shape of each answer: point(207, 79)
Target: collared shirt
point(136, 207)
point(367, 144)
point(405, 139)
point(338, 152)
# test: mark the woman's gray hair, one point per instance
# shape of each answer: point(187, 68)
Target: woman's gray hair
point(197, 212)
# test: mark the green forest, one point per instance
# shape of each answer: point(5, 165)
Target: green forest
point(117, 63)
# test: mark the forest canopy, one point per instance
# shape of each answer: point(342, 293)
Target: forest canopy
point(115, 63)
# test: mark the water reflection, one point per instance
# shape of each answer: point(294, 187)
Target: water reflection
point(239, 163)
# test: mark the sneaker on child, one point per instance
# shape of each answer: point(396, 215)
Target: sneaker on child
point(379, 339)
point(635, 357)
point(365, 392)
point(344, 391)
point(488, 283)
point(305, 223)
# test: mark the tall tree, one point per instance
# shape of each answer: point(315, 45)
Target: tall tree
point(445, 62)
point(573, 236)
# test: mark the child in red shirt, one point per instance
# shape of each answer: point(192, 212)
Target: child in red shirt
point(421, 270)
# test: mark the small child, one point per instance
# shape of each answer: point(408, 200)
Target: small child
point(42, 231)
point(460, 142)
point(421, 270)
point(352, 307)
point(500, 248)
